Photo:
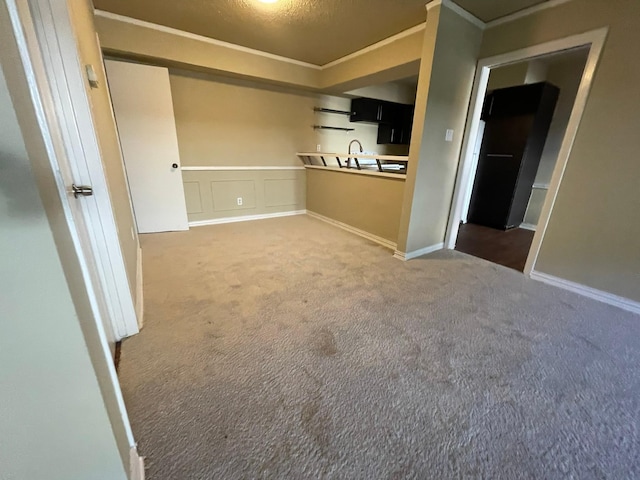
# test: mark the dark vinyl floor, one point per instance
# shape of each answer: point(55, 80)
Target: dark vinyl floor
point(508, 248)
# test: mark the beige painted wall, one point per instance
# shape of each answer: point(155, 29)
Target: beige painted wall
point(508, 76)
point(81, 12)
point(166, 49)
point(592, 237)
point(365, 202)
point(566, 75)
point(449, 58)
point(232, 123)
point(393, 61)
point(391, 91)
point(53, 420)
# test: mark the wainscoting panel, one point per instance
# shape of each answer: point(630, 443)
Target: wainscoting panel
point(226, 193)
point(213, 194)
point(281, 192)
point(193, 197)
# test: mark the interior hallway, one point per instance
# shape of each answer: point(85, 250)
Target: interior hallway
point(287, 348)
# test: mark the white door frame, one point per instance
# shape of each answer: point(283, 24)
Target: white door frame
point(26, 56)
point(71, 106)
point(467, 169)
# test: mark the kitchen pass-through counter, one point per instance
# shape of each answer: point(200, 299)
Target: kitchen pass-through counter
point(359, 192)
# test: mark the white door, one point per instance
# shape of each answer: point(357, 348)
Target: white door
point(143, 107)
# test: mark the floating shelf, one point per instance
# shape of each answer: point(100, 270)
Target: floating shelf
point(326, 127)
point(330, 110)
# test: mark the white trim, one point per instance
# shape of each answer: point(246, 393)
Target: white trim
point(139, 290)
point(540, 186)
point(375, 46)
point(245, 218)
point(528, 226)
point(28, 20)
point(526, 12)
point(369, 236)
point(225, 169)
point(405, 256)
point(470, 17)
point(595, 39)
point(595, 294)
point(201, 38)
point(136, 465)
point(67, 101)
point(355, 171)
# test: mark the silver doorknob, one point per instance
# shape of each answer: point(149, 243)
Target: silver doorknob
point(84, 190)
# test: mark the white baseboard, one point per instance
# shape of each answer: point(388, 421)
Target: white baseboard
point(369, 236)
point(136, 465)
point(139, 291)
point(528, 226)
point(245, 218)
point(404, 256)
point(599, 295)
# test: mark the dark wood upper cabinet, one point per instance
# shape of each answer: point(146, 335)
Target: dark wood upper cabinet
point(395, 120)
point(399, 131)
point(365, 110)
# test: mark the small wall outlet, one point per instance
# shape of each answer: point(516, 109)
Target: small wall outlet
point(318, 148)
point(239, 201)
point(449, 135)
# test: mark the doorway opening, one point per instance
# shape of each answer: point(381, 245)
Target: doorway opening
point(524, 115)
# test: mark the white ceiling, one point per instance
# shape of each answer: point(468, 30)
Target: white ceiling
point(314, 31)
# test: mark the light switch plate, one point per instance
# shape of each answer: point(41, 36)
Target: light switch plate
point(449, 135)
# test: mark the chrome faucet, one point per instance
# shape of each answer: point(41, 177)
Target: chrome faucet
point(349, 152)
point(359, 144)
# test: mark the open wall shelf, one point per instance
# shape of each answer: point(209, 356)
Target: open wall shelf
point(326, 127)
point(330, 110)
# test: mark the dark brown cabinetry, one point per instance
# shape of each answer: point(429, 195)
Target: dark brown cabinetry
point(371, 110)
point(517, 123)
point(394, 119)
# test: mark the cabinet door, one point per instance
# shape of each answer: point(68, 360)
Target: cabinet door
point(390, 113)
point(388, 134)
point(519, 100)
point(365, 110)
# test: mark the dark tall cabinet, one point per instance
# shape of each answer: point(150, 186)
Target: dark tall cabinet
point(517, 123)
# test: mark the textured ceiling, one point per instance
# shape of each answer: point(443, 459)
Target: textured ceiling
point(314, 31)
point(487, 10)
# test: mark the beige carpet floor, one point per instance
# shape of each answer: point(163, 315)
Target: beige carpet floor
point(289, 349)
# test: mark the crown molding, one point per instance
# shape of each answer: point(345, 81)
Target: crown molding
point(233, 46)
point(459, 10)
point(201, 38)
point(450, 4)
